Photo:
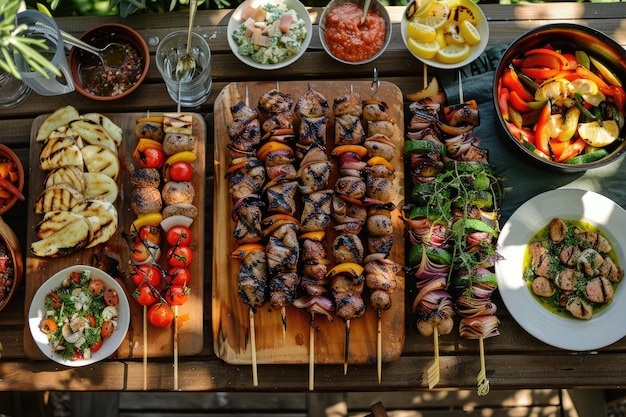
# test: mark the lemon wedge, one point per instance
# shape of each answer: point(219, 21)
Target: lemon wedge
point(599, 135)
point(606, 73)
point(585, 86)
point(426, 50)
point(437, 16)
point(469, 32)
point(421, 32)
point(418, 8)
point(453, 54)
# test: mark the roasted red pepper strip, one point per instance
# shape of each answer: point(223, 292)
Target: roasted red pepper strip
point(521, 134)
point(7, 185)
point(563, 61)
point(542, 137)
point(557, 147)
point(511, 81)
point(540, 73)
point(516, 101)
point(574, 149)
point(541, 60)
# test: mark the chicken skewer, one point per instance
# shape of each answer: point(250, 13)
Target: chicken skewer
point(313, 176)
point(247, 177)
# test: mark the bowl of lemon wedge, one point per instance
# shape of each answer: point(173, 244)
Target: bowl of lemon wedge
point(445, 34)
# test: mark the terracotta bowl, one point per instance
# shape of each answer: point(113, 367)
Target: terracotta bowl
point(9, 245)
point(374, 6)
point(568, 37)
point(7, 154)
point(100, 36)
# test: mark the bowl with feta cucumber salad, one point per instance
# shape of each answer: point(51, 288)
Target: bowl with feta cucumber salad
point(79, 316)
point(269, 35)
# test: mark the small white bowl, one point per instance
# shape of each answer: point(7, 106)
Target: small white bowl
point(374, 6)
point(235, 22)
point(482, 26)
point(37, 312)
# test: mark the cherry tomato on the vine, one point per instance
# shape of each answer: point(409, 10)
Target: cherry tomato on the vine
point(151, 158)
point(146, 273)
point(179, 236)
point(179, 276)
point(160, 315)
point(176, 295)
point(145, 295)
point(179, 256)
point(178, 171)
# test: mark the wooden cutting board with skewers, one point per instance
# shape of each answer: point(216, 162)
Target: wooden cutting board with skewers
point(159, 341)
point(284, 337)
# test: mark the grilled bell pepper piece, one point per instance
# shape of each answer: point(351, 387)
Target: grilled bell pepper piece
point(541, 132)
point(511, 81)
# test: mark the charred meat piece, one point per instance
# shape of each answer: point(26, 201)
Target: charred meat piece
point(283, 120)
point(252, 277)
point(246, 179)
point(245, 134)
point(283, 287)
point(380, 277)
point(281, 196)
point(349, 130)
point(241, 110)
point(376, 111)
point(314, 176)
point(352, 187)
point(380, 145)
point(313, 130)
point(283, 249)
point(247, 213)
point(316, 210)
point(348, 104)
point(347, 290)
point(311, 104)
point(347, 247)
point(275, 101)
point(345, 212)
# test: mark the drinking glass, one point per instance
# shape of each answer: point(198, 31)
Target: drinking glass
point(12, 91)
point(170, 50)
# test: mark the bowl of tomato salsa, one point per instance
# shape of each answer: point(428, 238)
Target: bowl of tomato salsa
point(99, 82)
point(347, 39)
point(559, 97)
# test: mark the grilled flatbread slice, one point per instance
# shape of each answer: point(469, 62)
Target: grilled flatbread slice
point(71, 175)
point(60, 117)
point(71, 238)
point(101, 160)
point(178, 123)
point(106, 214)
point(93, 134)
point(58, 197)
point(100, 186)
point(113, 129)
point(60, 151)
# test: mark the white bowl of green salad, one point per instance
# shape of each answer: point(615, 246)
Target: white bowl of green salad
point(79, 316)
point(269, 35)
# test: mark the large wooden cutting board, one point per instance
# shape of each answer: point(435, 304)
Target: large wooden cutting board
point(159, 341)
point(231, 322)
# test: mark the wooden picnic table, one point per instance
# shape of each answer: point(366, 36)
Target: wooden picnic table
point(514, 359)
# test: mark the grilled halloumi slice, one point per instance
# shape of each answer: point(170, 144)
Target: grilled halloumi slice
point(106, 214)
point(71, 238)
point(53, 221)
point(100, 186)
point(60, 151)
point(178, 123)
point(113, 129)
point(71, 175)
point(101, 160)
point(58, 197)
point(93, 134)
point(60, 117)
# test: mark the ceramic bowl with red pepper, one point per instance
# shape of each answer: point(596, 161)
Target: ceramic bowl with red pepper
point(99, 82)
point(559, 97)
point(11, 179)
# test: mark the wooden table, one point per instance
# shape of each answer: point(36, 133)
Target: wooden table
point(514, 359)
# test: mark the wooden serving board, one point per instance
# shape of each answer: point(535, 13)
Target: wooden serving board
point(190, 322)
point(231, 318)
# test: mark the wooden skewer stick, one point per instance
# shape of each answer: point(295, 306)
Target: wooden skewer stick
point(255, 376)
point(460, 88)
point(433, 371)
point(379, 347)
point(283, 318)
point(483, 382)
point(347, 348)
point(425, 75)
point(175, 348)
point(145, 348)
point(312, 352)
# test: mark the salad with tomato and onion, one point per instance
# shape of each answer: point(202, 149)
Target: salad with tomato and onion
point(80, 316)
point(566, 106)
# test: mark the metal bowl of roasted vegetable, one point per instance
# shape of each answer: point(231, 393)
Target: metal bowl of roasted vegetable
point(559, 97)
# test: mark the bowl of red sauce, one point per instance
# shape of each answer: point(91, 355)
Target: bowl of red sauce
point(349, 41)
point(98, 82)
point(11, 264)
point(11, 179)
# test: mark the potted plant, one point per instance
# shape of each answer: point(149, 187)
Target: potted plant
point(13, 41)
